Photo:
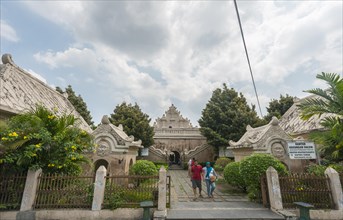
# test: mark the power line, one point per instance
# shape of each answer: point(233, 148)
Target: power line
point(246, 53)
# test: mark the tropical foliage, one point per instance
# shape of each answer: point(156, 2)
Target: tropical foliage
point(330, 103)
point(226, 116)
point(42, 139)
point(134, 122)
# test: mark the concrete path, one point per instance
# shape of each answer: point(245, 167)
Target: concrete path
point(224, 205)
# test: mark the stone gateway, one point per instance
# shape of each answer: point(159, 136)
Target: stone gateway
point(177, 141)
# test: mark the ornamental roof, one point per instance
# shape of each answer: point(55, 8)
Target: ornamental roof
point(20, 92)
point(292, 123)
point(257, 138)
point(113, 138)
point(172, 119)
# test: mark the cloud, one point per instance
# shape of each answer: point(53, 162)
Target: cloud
point(7, 32)
point(155, 53)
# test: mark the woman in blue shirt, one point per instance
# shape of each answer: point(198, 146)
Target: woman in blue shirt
point(209, 176)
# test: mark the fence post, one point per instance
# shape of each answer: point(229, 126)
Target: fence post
point(336, 187)
point(274, 189)
point(99, 188)
point(30, 190)
point(161, 212)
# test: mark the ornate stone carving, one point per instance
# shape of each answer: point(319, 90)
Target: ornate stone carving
point(278, 150)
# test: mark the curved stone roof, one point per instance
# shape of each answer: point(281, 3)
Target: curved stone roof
point(294, 125)
point(113, 138)
point(20, 92)
point(257, 138)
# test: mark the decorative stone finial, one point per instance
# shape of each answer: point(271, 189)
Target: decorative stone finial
point(7, 58)
point(105, 120)
point(248, 128)
point(120, 127)
point(274, 121)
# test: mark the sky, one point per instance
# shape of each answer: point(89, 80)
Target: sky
point(158, 53)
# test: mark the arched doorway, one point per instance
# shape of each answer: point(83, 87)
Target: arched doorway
point(99, 163)
point(174, 157)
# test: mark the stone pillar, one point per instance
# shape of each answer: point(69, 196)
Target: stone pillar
point(274, 189)
point(99, 188)
point(336, 188)
point(161, 212)
point(30, 190)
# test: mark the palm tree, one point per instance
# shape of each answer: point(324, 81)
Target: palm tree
point(330, 103)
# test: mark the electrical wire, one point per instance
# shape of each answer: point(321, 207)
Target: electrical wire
point(246, 53)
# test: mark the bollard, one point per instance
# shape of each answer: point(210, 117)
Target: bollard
point(304, 210)
point(146, 205)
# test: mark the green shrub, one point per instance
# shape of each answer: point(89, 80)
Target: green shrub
point(316, 169)
point(254, 166)
point(160, 164)
point(221, 163)
point(143, 168)
point(232, 175)
point(319, 170)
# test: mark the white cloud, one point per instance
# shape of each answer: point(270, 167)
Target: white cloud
point(7, 32)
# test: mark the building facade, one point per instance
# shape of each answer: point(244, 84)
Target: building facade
point(177, 140)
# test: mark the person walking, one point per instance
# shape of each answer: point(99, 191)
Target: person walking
point(196, 171)
point(209, 176)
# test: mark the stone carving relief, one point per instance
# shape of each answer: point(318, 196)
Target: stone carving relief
point(278, 150)
point(103, 148)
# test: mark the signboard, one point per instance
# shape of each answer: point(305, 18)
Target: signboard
point(301, 150)
point(145, 152)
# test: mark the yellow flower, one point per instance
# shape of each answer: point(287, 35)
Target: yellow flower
point(38, 145)
point(73, 148)
point(34, 155)
point(59, 167)
point(73, 158)
point(25, 137)
point(13, 134)
point(51, 165)
point(51, 116)
point(4, 138)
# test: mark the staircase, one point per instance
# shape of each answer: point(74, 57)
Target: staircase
point(175, 167)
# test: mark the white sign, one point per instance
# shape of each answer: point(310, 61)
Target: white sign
point(301, 150)
point(145, 152)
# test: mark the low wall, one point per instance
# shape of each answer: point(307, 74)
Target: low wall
point(75, 214)
point(322, 214)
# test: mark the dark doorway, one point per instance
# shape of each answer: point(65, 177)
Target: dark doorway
point(174, 157)
point(99, 163)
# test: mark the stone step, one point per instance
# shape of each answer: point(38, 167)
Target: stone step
point(222, 214)
point(175, 167)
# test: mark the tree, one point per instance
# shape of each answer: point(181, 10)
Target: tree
point(41, 139)
point(278, 107)
point(329, 102)
point(226, 116)
point(78, 103)
point(134, 122)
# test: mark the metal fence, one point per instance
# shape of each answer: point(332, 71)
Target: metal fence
point(129, 191)
point(11, 191)
point(306, 188)
point(60, 191)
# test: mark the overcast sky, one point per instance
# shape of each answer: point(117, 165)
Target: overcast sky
point(159, 53)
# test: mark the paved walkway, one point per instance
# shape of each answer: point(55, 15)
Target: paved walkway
point(224, 205)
